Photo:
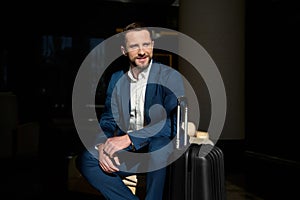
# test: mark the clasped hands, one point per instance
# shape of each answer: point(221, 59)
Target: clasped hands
point(108, 150)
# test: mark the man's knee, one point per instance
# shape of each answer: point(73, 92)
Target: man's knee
point(84, 160)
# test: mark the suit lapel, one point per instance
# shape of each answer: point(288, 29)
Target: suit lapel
point(151, 87)
point(124, 94)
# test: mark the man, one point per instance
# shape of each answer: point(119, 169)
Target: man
point(139, 116)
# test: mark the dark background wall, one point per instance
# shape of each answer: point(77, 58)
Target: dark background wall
point(218, 26)
point(24, 68)
point(272, 36)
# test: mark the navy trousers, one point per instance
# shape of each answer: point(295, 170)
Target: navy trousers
point(111, 186)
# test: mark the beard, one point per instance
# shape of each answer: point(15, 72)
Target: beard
point(140, 64)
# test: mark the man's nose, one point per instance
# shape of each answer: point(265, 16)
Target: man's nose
point(141, 50)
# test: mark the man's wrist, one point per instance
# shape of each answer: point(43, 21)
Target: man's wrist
point(132, 146)
point(97, 146)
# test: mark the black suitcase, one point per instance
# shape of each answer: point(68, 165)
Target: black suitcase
point(198, 174)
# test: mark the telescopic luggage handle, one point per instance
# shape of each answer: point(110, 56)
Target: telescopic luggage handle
point(182, 116)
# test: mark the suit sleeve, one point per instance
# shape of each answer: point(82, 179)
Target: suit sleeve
point(107, 121)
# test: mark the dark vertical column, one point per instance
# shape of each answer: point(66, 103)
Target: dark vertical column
point(218, 26)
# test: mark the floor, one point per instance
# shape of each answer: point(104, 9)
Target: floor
point(235, 191)
point(46, 179)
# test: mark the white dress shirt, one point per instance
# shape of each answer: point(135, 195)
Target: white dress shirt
point(137, 98)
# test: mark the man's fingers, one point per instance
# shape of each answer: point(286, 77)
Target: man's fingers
point(107, 165)
point(116, 159)
point(111, 151)
point(109, 148)
point(111, 166)
point(109, 154)
point(105, 153)
point(103, 166)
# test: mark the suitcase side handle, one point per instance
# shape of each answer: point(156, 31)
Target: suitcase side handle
point(182, 115)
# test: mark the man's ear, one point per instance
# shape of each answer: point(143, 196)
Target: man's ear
point(123, 50)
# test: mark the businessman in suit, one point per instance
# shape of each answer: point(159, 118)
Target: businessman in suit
point(139, 116)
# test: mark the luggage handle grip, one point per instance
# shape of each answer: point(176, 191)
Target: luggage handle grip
point(182, 106)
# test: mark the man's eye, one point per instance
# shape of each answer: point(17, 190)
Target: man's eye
point(133, 47)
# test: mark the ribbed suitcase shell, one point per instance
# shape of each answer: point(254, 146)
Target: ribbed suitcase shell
point(197, 175)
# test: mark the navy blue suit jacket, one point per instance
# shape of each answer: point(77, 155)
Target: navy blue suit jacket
point(164, 86)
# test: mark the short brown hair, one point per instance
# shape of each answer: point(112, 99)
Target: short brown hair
point(134, 25)
point(138, 26)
